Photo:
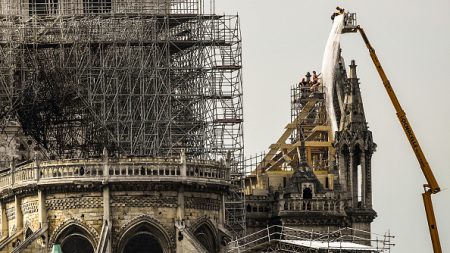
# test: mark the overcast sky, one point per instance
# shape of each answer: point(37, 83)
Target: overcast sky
point(284, 39)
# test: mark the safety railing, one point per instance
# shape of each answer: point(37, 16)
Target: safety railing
point(139, 169)
point(342, 240)
point(350, 19)
point(350, 23)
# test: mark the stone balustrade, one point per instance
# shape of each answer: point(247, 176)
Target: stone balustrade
point(115, 170)
point(313, 205)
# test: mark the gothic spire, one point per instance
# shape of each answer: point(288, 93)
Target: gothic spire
point(353, 117)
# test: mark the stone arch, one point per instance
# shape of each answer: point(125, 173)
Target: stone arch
point(76, 222)
point(206, 233)
point(74, 235)
point(144, 229)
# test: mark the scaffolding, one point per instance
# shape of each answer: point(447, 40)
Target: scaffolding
point(300, 95)
point(285, 239)
point(137, 77)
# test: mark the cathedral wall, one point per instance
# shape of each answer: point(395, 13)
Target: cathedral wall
point(30, 213)
point(11, 216)
point(127, 206)
point(199, 205)
point(85, 208)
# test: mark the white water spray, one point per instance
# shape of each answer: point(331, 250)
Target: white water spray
point(329, 62)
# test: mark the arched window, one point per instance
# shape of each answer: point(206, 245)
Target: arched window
point(75, 239)
point(143, 236)
point(206, 237)
point(143, 242)
point(77, 243)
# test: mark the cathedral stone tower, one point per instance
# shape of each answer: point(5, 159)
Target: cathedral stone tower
point(354, 149)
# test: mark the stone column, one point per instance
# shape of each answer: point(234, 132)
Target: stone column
point(107, 215)
point(42, 215)
point(368, 181)
point(5, 229)
point(105, 164)
point(343, 166)
point(183, 174)
point(180, 208)
point(183, 162)
point(37, 171)
point(19, 215)
point(222, 210)
point(13, 168)
point(42, 211)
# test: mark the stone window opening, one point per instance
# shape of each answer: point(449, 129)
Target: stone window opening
point(143, 242)
point(75, 239)
point(144, 236)
point(307, 193)
point(207, 238)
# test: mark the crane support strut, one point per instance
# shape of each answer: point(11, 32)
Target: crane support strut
point(432, 186)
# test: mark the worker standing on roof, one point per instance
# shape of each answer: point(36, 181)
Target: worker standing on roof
point(315, 81)
point(315, 77)
point(303, 82)
point(338, 12)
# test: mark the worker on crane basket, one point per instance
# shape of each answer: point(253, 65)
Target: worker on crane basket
point(339, 11)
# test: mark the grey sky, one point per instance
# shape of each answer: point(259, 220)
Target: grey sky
point(284, 39)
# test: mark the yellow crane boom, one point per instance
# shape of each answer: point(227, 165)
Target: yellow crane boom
point(432, 186)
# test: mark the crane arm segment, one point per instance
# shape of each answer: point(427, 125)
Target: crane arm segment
point(431, 221)
point(431, 180)
point(432, 186)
